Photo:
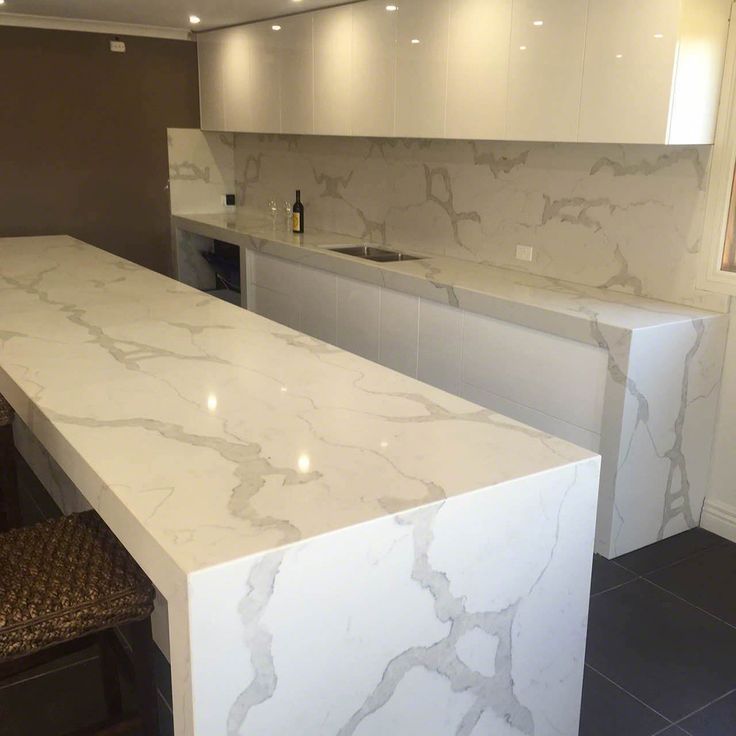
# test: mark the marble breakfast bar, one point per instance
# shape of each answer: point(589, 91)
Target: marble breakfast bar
point(633, 378)
point(343, 549)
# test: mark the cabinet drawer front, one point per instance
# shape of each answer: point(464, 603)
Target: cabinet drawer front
point(558, 377)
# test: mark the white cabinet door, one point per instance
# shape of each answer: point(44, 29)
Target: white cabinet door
point(478, 61)
point(421, 74)
point(211, 50)
point(297, 75)
point(236, 79)
point(628, 71)
point(265, 77)
point(333, 30)
point(373, 69)
point(546, 69)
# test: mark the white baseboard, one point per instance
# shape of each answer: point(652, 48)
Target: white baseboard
point(719, 518)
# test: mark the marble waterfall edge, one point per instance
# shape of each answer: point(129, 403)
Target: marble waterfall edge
point(457, 627)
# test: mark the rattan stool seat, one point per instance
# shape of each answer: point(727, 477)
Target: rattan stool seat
point(6, 412)
point(64, 579)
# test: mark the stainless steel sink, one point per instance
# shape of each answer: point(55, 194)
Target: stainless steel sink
point(374, 253)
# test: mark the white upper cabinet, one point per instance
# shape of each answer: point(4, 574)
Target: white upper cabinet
point(333, 31)
point(211, 53)
point(652, 70)
point(615, 71)
point(546, 69)
point(478, 68)
point(421, 71)
point(297, 75)
point(265, 77)
point(373, 69)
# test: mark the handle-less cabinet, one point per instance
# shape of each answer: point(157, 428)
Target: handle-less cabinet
point(621, 71)
point(478, 68)
point(546, 69)
point(652, 70)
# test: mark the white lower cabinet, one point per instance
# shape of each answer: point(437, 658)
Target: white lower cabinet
point(548, 382)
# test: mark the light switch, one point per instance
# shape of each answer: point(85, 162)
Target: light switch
point(117, 47)
point(524, 253)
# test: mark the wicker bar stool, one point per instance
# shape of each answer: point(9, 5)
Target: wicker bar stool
point(9, 500)
point(66, 584)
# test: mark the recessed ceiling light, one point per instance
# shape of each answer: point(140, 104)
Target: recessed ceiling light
point(522, 48)
point(415, 41)
point(276, 28)
point(194, 19)
point(392, 8)
point(538, 23)
point(659, 35)
point(619, 56)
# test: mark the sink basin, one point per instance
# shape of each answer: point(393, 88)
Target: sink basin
point(374, 253)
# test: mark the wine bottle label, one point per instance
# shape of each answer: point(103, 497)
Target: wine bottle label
point(296, 222)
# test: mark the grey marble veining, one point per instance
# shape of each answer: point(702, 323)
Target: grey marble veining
point(625, 218)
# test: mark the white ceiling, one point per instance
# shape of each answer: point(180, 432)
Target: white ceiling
point(157, 13)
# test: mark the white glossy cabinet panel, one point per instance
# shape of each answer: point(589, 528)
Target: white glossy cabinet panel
point(318, 304)
point(211, 55)
point(265, 78)
point(373, 69)
point(332, 29)
point(440, 345)
point(297, 75)
point(236, 79)
point(358, 317)
point(478, 68)
point(421, 72)
point(546, 69)
point(561, 378)
point(399, 331)
point(629, 68)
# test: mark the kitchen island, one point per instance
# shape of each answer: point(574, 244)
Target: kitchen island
point(343, 549)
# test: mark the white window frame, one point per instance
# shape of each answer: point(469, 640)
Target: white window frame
point(723, 166)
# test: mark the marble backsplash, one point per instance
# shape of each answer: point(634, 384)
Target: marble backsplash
point(628, 218)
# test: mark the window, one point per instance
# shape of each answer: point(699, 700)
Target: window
point(718, 272)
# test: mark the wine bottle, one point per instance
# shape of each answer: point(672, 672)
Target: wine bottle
point(297, 214)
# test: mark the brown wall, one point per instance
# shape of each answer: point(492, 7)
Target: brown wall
point(83, 147)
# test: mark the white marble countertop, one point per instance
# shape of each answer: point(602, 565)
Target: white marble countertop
point(210, 433)
point(558, 307)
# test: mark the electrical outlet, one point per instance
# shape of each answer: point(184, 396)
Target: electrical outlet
point(117, 47)
point(524, 253)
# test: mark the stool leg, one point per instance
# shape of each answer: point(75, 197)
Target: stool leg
point(110, 674)
point(145, 680)
point(9, 498)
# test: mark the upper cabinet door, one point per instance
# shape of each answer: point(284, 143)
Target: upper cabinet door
point(421, 73)
point(211, 53)
point(478, 68)
point(546, 69)
point(237, 44)
point(373, 69)
point(333, 29)
point(629, 68)
point(265, 76)
point(297, 75)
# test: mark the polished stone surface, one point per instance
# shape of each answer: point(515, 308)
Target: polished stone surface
point(245, 463)
point(663, 361)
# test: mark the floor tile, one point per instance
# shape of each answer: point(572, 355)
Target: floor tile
point(669, 551)
point(670, 655)
point(718, 719)
point(607, 574)
point(609, 711)
point(707, 580)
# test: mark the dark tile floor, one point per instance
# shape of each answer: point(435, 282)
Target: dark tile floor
point(661, 657)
